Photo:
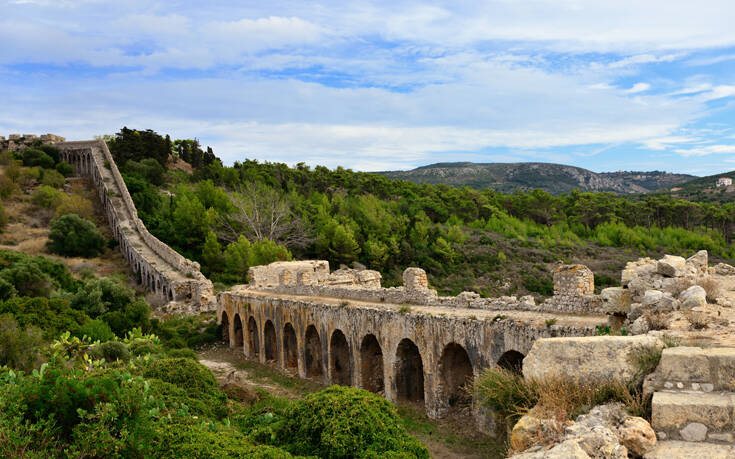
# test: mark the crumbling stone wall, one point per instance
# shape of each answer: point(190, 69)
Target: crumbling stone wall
point(444, 343)
point(157, 266)
point(16, 142)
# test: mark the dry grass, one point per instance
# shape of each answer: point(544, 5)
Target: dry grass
point(713, 288)
point(657, 320)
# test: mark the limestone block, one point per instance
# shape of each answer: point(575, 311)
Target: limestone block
point(637, 435)
point(569, 449)
point(640, 326)
point(688, 450)
point(652, 297)
point(574, 280)
point(699, 261)
point(369, 278)
point(671, 266)
point(415, 279)
point(694, 431)
point(673, 411)
point(600, 441)
point(531, 430)
point(722, 360)
point(686, 364)
point(615, 300)
point(693, 297)
point(723, 269)
point(592, 359)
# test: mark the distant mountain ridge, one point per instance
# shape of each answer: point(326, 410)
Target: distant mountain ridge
point(554, 178)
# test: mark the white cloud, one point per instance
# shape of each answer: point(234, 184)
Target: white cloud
point(638, 87)
point(707, 150)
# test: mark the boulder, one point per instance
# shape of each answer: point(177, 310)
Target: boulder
point(723, 269)
point(637, 435)
point(588, 360)
point(569, 449)
point(652, 297)
point(615, 300)
point(532, 430)
point(640, 326)
point(694, 296)
point(671, 266)
point(699, 261)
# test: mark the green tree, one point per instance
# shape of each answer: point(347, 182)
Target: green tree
point(72, 236)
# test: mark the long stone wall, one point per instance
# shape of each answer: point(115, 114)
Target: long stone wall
point(425, 355)
point(158, 267)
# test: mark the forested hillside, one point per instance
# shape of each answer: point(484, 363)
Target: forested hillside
point(230, 218)
point(554, 178)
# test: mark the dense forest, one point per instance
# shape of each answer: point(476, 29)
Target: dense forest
point(230, 218)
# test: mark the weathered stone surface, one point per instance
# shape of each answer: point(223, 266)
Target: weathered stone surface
point(699, 261)
point(594, 359)
point(686, 450)
point(671, 266)
point(616, 300)
point(601, 442)
point(640, 326)
point(415, 279)
point(566, 450)
point(673, 411)
point(637, 435)
point(531, 430)
point(288, 273)
point(724, 269)
point(694, 431)
point(574, 279)
point(693, 297)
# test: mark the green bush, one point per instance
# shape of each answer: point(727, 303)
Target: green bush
point(53, 316)
point(182, 353)
point(19, 348)
point(184, 440)
point(96, 330)
point(184, 373)
point(53, 178)
point(57, 272)
point(7, 187)
point(28, 278)
point(144, 346)
point(111, 351)
point(47, 197)
point(65, 169)
point(98, 296)
point(3, 218)
point(72, 236)
point(33, 157)
point(346, 422)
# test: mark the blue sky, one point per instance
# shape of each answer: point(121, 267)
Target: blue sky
point(603, 85)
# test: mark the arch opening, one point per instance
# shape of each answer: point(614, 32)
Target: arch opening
point(371, 364)
point(340, 364)
point(238, 331)
point(512, 361)
point(455, 370)
point(409, 372)
point(290, 349)
point(225, 324)
point(253, 342)
point(312, 352)
point(271, 343)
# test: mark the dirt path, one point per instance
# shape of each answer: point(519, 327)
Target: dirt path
point(445, 439)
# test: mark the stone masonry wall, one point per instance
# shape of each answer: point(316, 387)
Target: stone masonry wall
point(159, 267)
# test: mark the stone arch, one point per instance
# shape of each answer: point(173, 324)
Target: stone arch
point(312, 352)
point(371, 364)
point(225, 327)
point(238, 331)
point(340, 362)
point(270, 342)
point(253, 341)
point(409, 372)
point(290, 347)
point(511, 360)
point(455, 376)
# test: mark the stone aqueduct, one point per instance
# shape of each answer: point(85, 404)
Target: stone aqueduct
point(405, 342)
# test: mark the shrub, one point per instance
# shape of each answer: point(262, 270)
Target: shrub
point(71, 235)
point(184, 373)
point(183, 353)
point(19, 348)
point(507, 393)
point(98, 296)
point(53, 178)
point(7, 290)
point(96, 330)
point(346, 422)
point(47, 197)
point(27, 277)
point(144, 346)
point(53, 316)
point(33, 157)
point(111, 351)
point(29, 176)
point(7, 187)
point(75, 204)
point(65, 169)
point(57, 272)
point(3, 218)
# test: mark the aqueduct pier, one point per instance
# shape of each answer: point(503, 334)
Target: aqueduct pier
point(423, 353)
